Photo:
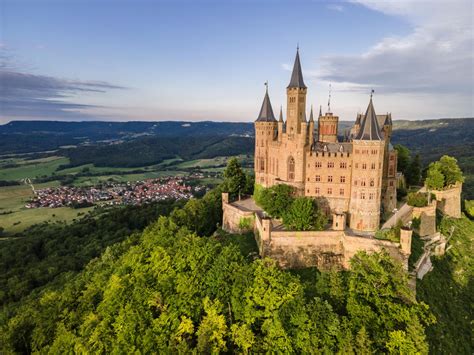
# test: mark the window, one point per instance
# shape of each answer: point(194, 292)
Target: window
point(362, 183)
point(390, 170)
point(372, 182)
point(343, 165)
point(330, 178)
point(357, 166)
point(317, 191)
point(362, 195)
point(329, 191)
point(355, 182)
point(262, 164)
point(318, 178)
point(357, 151)
point(371, 196)
point(330, 164)
point(341, 192)
point(390, 183)
point(392, 157)
point(372, 166)
point(364, 166)
point(291, 169)
point(318, 164)
point(343, 179)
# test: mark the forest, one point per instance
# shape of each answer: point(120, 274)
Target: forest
point(183, 285)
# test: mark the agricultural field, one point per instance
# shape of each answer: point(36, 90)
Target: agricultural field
point(23, 169)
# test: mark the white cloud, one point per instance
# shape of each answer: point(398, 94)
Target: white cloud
point(335, 7)
point(432, 63)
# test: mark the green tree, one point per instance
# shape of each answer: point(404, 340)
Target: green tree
point(413, 174)
point(235, 180)
point(212, 330)
point(403, 158)
point(274, 200)
point(434, 177)
point(303, 214)
point(450, 169)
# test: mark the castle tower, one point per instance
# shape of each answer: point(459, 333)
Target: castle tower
point(280, 125)
point(311, 128)
point(296, 100)
point(389, 190)
point(327, 128)
point(266, 127)
point(367, 172)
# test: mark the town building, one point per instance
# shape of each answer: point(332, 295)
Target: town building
point(351, 174)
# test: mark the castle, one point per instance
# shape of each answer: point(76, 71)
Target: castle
point(353, 176)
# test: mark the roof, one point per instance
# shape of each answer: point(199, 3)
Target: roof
point(297, 75)
point(339, 147)
point(369, 126)
point(266, 112)
point(384, 119)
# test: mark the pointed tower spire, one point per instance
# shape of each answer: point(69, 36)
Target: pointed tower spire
point(281, 114)
point(297, 75)
point(266, 112)
point(311, 119)
point(320, 110)
point(369, 127)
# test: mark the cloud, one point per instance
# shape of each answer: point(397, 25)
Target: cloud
point(28, 95)
point(436, 58)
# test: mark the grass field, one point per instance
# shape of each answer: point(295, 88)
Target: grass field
point(32, 168)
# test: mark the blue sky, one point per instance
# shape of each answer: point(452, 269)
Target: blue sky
point(199, 60)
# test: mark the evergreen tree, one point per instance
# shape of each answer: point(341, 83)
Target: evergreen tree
point(413, 174)
point(403, 158)
point(235, 180)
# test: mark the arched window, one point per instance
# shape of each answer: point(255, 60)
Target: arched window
point(291, 169)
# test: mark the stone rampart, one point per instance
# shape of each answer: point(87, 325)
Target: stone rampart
point(449, 200)
point(300, 249)
point(427, 216)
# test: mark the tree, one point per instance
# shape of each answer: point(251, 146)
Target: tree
point(235, 179)
point(274, 200)
point(434, 177)
point(212, 330)
point(450, 169)
point(403, 158)
point(413, 174)
point(303, 214)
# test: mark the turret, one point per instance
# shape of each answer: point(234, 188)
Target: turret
point(366, 181)
point(327, 128)
point(280, 125)
point(296, 99)
point(265, 129)
point(311, 127)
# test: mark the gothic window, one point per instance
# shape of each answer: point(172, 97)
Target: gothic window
point(343, 179)
point(372, 182)
point(262, 164)
point(318, 164)
point(341, 192)
point(362, 183)
point(291, 169)
point(318, 178)
point(329, 191)
point(330, 178)
point(372, 166)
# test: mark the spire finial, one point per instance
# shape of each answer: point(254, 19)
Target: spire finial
point(371, 93)
point(297, 46)
point(266, 86)
point(329, 99)
point(281, 113)
point(311, 119)
point(320, 110)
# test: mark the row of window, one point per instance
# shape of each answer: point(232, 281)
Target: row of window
point(330, 164)
point(363, 183)
point(364, 166)
point(363, 195)
point(367, 151)
point(342, 179)
point(328, 191)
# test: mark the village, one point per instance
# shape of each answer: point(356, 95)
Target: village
point(113, 193)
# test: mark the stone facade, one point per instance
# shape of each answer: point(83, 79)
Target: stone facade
point(355, 175)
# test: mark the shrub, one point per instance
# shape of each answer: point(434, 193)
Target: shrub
point(245, 223)
point(417, 199)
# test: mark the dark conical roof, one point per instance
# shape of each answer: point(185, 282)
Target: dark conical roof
point(297, 75)
point(266, 112)
point(369, 127)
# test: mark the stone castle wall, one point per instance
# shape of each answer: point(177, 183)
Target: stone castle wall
point(301, 249)
point(449, 200)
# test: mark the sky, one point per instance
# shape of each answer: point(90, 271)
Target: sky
point(196, 60)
